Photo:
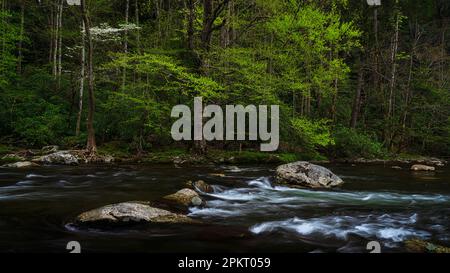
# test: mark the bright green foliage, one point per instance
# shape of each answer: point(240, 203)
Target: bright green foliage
point(8, 38)
point(310, 50)
point(353, 144)
point(313, 134)
point(304, 56)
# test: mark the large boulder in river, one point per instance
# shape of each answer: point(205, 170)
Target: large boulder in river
point(305, 174)
point(419, 167)
point(61, 157)
point(21, 164)
point(184, 198)
point(131, 212)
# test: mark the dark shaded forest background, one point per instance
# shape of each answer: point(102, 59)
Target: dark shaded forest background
point(352, 80)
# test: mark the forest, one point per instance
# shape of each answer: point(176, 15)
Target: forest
point(352, 79)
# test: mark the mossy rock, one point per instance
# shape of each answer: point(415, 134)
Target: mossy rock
point(420, 246)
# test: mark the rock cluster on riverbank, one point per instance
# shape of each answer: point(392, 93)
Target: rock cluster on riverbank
point(51, 155)
point(400, 161)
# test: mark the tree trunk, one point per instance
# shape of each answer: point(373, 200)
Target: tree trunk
point(82, 76)
point(20, 44)
point(408, 95)
point(138, 32)
point(125, 43)
point(51, 20)
point(55, 42)
point(334, 102)
point(207, 24)
point(392, 84)
point(91, 145)
point(357, 100)
point(61, 4)
point(376, 77)
point(393, 69)
point(190, 25)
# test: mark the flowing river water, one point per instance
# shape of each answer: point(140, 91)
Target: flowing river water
point(246, 212)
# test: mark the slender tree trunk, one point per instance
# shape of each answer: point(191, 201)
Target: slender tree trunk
point(393, 69)
point(443, 53)
point(357, 100)
point(190, 24)
point(225, 30)
point(138, 31)
point(20, 44)
point(408, 93)
point(376, 77)
point(302, 105)
point(392, 85)
point(91, 144)
point(207, 24)
point(335, 97)
point(52, 33)
point(82, 76)
point(55, 41)
point(200, 146)
point(61, 4)
point(127, 14)
point(125, 43)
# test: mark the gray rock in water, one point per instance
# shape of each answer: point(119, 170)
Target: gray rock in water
point(131, 212)
point(305, 174)
point(61, 157)
point(22, 164)
point(184, 198)
point(108, 159)
point(419, 167)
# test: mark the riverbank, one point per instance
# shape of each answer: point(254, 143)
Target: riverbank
point(108, 154)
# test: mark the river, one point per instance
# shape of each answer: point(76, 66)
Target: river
point(246, 212)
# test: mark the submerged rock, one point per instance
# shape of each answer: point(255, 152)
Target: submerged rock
point(184, 198)
point(305, 174)
point(61, 157)
point(131, 212)
point(420, 246)
point(21, 164)
point(217, 174)
point(419, 167)
point(201, 186)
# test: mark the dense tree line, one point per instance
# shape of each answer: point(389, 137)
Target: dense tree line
point(351, 79)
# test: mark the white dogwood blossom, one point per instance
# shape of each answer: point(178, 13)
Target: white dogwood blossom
point(374, 2)
point(73, 2)
point(105, 32)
